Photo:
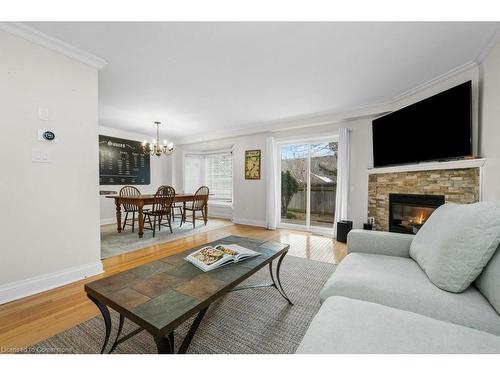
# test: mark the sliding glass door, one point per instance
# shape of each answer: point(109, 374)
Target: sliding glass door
point(294, 184)
point(308, 185)
point(323, 179)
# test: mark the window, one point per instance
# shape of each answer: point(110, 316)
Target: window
point(213, 169)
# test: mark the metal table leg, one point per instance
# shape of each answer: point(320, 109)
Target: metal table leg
point(120, 327)
point(277, 282)
point(164, 345)
point(192, 331)
point(107, 320)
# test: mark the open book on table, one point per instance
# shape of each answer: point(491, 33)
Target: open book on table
point(212, 257)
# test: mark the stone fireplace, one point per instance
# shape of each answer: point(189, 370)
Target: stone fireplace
point(438, 186)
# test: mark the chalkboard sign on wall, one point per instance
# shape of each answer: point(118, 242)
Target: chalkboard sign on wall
point(121, 162)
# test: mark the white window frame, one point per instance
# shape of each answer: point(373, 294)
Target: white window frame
point(301, 141)
point(204, 153)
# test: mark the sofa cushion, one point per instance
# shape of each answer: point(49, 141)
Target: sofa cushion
point(345, 325)
point(400, 283)
point(456, 242)
point(489, 281)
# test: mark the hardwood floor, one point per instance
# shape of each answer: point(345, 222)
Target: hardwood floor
point(32, 319)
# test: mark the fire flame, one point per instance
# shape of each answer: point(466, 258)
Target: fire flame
point(420, 218)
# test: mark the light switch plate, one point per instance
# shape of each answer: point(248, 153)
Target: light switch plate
point(43, 114)
point(40, 156)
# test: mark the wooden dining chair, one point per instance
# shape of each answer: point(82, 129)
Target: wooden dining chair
point(175, 205)
point(199, 204)
point(162, 208)
point(129, 191)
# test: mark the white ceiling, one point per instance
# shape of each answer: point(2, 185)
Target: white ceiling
point(214, 77)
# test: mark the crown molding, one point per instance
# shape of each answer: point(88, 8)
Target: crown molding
point(37, 37)
point(328, 118)
point(487, 47)
point(434, 81)
point(290, 123)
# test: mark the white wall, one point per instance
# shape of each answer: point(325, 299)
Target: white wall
point(50, 211)
point(489, 115)
point(161, 173)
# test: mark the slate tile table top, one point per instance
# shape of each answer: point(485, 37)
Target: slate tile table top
point(160, 295)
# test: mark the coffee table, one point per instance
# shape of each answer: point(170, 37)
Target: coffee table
point(160, 295)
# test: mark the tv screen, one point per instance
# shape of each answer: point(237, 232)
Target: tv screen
point(436, 128)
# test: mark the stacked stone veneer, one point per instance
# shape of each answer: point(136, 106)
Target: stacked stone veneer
point(457, 186)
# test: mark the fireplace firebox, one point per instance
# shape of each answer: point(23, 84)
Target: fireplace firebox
point(408, 212)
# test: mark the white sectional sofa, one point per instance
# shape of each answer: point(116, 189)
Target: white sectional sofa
point(380, 300)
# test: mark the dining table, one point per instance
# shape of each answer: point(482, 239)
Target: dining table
point(144, 200)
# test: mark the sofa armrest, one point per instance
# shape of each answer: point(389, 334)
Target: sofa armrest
point(382, 243)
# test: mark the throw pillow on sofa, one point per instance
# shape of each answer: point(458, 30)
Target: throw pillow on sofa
point(456, 242)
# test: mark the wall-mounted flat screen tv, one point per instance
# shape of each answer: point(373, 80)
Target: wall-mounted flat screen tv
point(436, 128)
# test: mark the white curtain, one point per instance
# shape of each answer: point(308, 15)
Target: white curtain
point(342, 198)
point(272, 190)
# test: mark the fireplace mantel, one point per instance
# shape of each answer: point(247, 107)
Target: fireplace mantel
point(431, 166)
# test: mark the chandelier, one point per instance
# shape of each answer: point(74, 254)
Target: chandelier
point(156, 147)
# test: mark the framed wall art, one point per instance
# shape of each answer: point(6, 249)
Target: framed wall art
point(252, 164)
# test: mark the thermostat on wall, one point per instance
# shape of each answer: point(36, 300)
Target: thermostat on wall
point(46, 135)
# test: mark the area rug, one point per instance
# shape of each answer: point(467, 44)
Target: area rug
point(114, 243)
point(246, 321)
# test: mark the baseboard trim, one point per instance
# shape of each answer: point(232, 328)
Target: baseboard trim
point(108, 221)
point(253, 223)
point(221, 216)
point(227, 216)
point(33, 285)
